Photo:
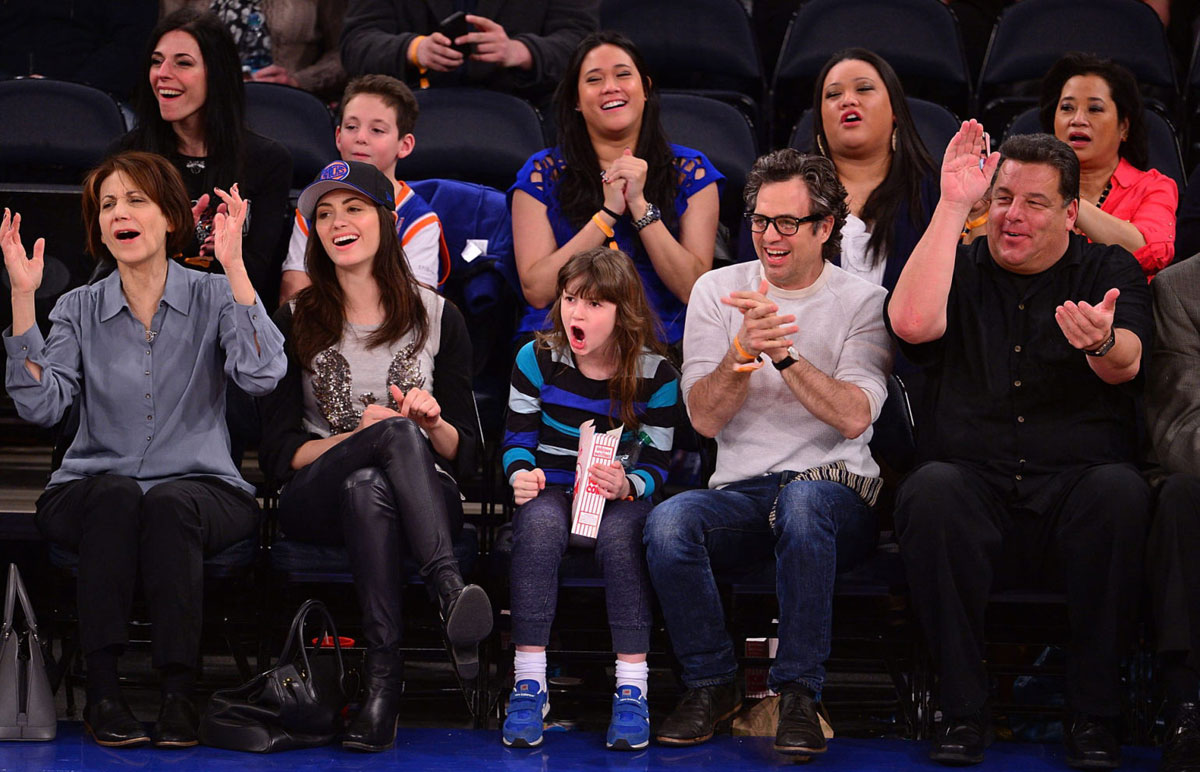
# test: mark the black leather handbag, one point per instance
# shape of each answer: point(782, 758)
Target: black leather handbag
point(296, 704)
point(26, 702)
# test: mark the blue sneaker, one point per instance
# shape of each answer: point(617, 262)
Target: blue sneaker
point(525, 715)
point(629, 729)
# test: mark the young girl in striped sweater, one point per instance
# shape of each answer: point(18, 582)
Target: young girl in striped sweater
point(600, 361)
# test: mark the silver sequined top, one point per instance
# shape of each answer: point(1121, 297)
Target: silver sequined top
point(349, 376)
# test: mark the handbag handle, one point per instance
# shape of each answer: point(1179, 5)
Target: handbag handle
point(295, 637)
point(16, 591)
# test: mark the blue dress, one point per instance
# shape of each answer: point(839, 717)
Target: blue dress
point(695, 173)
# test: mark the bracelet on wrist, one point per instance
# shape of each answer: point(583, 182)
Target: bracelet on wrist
point(1104, 347)
point(610, 213)
point(737, 345)
point(603, 226)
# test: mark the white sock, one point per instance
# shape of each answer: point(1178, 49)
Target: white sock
point(530, 666)
point(633, 674)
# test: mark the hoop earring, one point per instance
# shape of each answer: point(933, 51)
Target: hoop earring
point(821, 147)
point(895, 131)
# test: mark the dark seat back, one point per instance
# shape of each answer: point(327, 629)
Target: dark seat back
point(472, 135)
point(723, 134)
point(53, 131)
point(297, 120)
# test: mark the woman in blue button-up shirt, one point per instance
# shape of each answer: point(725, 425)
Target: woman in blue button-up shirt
point(147, 482)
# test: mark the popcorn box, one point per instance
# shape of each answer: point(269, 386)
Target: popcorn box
point(587, 504)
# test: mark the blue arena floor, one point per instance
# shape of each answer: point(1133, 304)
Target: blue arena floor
point(433, 749)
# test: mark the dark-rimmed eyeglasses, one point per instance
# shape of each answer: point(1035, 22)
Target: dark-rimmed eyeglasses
point(785, 224)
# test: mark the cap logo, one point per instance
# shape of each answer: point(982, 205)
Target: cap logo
point(338, 170)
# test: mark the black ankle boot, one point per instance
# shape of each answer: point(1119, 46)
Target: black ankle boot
point(374, 728)
point(466, 619)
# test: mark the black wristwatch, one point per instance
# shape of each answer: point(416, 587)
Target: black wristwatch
point(1104, 347)
point(787, 361)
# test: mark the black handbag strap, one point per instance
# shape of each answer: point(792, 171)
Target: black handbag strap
point(295, 646)
point(15, 592)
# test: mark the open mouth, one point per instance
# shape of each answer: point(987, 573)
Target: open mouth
point(577, 336)
point(851, 118)
point(613, 104)
point(1078, 137)
point(775, 255)
point(344, 240)
point(126, 235)
point(169, 93)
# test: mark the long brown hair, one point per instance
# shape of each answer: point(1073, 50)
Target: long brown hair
point(608, 275)
point(319, 316)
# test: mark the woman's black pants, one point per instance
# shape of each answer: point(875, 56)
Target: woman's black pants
point(378, 493)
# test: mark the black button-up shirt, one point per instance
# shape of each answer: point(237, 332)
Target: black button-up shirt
point(1006, 392)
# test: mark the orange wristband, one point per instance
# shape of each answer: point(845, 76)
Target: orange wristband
point(603, 226)
point(737, 344)
point(412, 50)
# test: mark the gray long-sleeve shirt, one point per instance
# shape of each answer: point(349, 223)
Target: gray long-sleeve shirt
point(152, 411)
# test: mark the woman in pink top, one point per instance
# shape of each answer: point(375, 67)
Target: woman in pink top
point(1094, 106)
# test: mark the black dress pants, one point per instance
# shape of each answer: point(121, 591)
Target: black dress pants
point(378, 493)
point(1173, 568)
point(165, 532)
point(961, 539)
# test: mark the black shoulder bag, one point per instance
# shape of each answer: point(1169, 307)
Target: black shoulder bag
point(296, 704)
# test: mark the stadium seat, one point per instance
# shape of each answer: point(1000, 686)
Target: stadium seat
point(1031, 35)
point(935, 124)
point(723, 134)
point(54, 131)
point(472, 135)
point(704, 46)
point(297, 120)
point(920, 39)
point(1163, 145)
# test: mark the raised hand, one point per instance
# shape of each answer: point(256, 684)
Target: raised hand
point(610, 479)
point(1085, 326)
point(527, 485)
point(227, 228)
point(964, 178)
point(24, 273)
point(419, 405)
point(762, 328)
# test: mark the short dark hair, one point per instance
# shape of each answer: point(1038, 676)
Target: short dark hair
point(394, 93)
point(1125, 95)
point(826, 194)
point(158, 179)
point(1049, 150)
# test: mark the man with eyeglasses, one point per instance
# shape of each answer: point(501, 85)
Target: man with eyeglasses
point(785, 364)
point(1031, 340)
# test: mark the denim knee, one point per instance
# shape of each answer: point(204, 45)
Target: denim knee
point(670, 524)
point(542, 523)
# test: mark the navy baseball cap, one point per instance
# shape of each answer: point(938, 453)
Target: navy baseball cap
point(349, 175)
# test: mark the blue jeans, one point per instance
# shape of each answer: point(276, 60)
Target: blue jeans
point(820, 528)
